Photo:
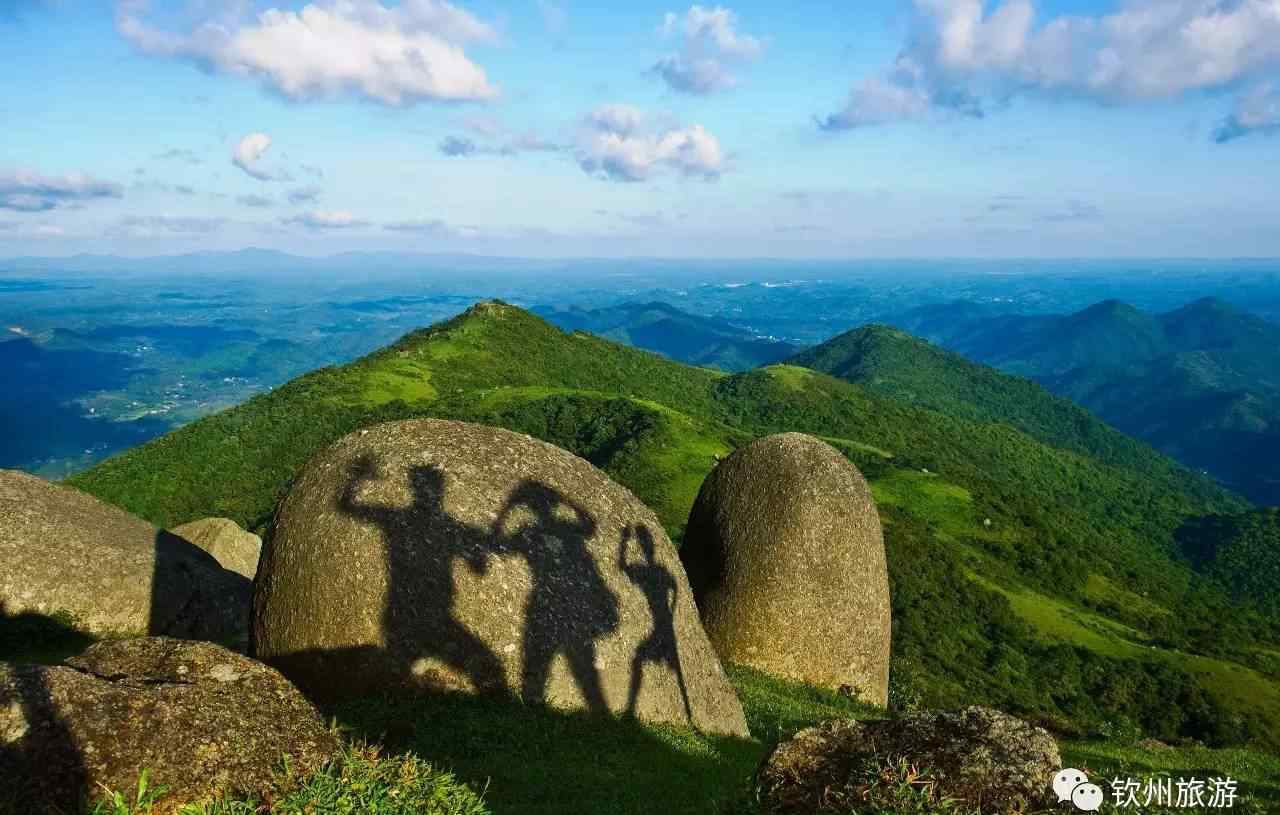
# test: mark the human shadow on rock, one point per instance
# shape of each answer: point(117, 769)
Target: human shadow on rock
point(420, 589)
point(42, 766)
point(661, 591)
point(569, 606)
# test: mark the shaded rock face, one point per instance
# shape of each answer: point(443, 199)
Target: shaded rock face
point(434, 555)
point(786, 557)
point(983, 758)
point(203, 720)
point(66, 552)
point(235, 549)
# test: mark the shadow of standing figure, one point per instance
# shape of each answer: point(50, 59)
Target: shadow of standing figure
point(418, 620)
point(40, 759)
point(569, 606)
point(660, 590)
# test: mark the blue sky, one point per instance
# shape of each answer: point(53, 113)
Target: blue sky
point(903, 128)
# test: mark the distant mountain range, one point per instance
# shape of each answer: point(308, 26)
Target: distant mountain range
point(1201, 383)
point(663, 328)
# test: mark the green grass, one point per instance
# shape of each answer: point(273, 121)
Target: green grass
point(360, 781)
point(461, 755)
point(1258, 774)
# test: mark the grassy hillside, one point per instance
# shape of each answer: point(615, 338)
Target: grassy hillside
point(898, 365)
point(978, 514)
point(1201, 383)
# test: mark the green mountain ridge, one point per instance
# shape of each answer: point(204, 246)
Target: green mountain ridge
point(1200, 383)
point(1017, 566)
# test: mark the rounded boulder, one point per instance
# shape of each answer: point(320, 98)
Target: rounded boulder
point(233, 548)
point(982, 759)
point(439, 555)
point(67, 554)
point(201, 720)
point(786, 557)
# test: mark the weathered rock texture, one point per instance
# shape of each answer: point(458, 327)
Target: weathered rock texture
point(786, 558)
point(233, 548)
point(988, 760)
point(66, 552)
point(201, 719)
point(441, 555)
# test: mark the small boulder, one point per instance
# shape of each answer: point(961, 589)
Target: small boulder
point(786, 558)
point(233, 548)
point(202, 720)
point(436, 555)
point(986, 760)
point(67, 554)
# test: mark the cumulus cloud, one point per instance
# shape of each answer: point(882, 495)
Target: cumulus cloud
point(710, 47)
point(962, 53)
point(146, 224)
point(27, 191)
point(394, 55)
point(1256, 112)
point(257, 201)
point(324, 220)
point(617, 144)
point(249, 152)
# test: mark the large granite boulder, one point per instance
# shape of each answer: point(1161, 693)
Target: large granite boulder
point(437, 555)
point(233, 548)
point(985, 760)
point(200, 719)
point(786, 558)
point(68, 555)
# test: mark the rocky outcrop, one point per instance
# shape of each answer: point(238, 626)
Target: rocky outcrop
point(68, 555)
point(786, 558)
point(200, 719)
point(981, 758)
point(984, 759)
point(429, 554)
point(233, 548)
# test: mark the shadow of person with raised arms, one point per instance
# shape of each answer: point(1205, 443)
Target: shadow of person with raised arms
point(569, 606)
point(420, 589)
point(660, 590)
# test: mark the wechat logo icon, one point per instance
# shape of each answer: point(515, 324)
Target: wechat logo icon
point(1073, 785)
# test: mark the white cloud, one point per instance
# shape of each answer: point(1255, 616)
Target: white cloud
point(615, 144)
point(325, 219)
point(395, 55)
point(710, 45)
point(962, 51)
point(28, 191)
point(1258, 111)
point(249, 152)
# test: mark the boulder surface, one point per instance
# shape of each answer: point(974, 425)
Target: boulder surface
point(786, 558)
point(233, 548)
point(67, 553)
point(202, 720)
point(984, 759)
point(437, 555)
